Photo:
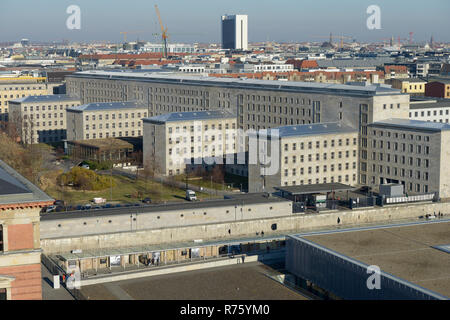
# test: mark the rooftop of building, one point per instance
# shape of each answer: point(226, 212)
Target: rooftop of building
point(45, 98)
point(16, 190)
point(396, 123)
point(367, 90)
point(102, 106)
point(427, 104)
point(308, 130)
point(190, 116)
point(412, 252)
point(410, 80)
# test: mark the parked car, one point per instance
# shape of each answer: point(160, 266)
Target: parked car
point(147, 200)
point(59, 203)
point(106, 206)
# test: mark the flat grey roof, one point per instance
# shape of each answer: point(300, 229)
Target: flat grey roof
point(190, 116)
point(409, 252)
point(410, 79)
point(429, 105)
point(14, 188)
point(314, 188)
point(412, 124)
point(45, 98)
point(308, 130)
point(155, 208)
point(101, 106)
point(274, 85)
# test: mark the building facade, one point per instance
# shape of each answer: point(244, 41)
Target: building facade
point(19, 87)
point(258, 104)
point(200, 138)
point(430, 110)
point(105, 120)
point(412, 153)
point(20, 248)
point(438, 89)
point(41, 118)
point(235, 32)
point(305, 154)
point(413, 86)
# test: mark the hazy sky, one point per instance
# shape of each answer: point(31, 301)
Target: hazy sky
point(199, 20)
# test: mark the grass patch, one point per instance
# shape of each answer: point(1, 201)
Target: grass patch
point(126, 190)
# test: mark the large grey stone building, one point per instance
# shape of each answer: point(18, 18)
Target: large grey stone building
point(257, 104)
point(105, 120)
point(41, 118)
point(171, 140)
point(413, 153)
point(305, 154)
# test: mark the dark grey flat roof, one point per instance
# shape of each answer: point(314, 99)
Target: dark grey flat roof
point(430, 105)
point(314, 188)
point(190, 116)
point(412, 124)
point(14, 188)
point(271, 85)
point(100, 106)
point(45, 98)
point(155, 208)
point(309, 129)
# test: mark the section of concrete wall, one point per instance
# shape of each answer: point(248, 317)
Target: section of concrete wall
point(233, 229)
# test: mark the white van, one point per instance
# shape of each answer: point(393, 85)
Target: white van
point(190, 195)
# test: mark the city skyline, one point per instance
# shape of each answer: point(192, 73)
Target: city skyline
point(103, 21)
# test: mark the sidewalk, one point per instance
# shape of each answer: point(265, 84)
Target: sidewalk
point(48, 293)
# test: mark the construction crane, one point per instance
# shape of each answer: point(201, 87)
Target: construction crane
point(125, 33)
point(164, 34)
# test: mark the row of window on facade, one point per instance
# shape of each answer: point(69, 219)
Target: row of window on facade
point(43, 108)
point(43, 115)
point(435, 113)
point(113, 125)
point(391, 106)
point(395, 146)
point(199, 128)
point(324, 180)
point(44, 123)
point(401, 159)
point(317, 157)
point(112, 134)
point(199, 149)
point(22, 88)
point(205, 139)
point(339, 167)
point(99, 117)
point(317, 144)
point(401, 172)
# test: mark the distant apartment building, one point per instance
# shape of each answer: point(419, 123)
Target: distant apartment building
point(412, 86)
point(430, 110)
point(257, 104)
point(105, 120)
point(410, 152)
point(19, 87)
point(199, 138)
point(41, 118)
point(20, 246)
point(395, 71)
point(305, 154)
point(234, 32)
point(438, 88)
